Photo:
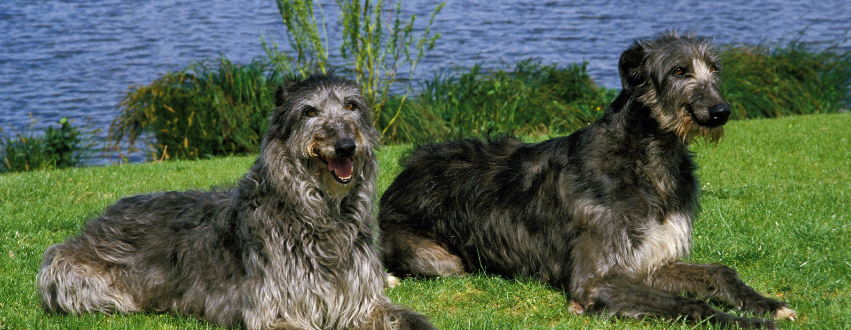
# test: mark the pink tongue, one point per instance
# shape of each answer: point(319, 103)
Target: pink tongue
point(341, 166)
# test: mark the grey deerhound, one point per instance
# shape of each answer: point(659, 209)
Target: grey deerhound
point(604, 214)
point(291, 247)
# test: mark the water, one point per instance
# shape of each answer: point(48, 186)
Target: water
point(77, 59)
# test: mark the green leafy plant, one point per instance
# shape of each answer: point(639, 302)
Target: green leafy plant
point(58, 148)
point(62, 144)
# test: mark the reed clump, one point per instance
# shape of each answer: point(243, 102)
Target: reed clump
point(531, 99)
point(205, 110)
point(220, 108)
point(792, 79)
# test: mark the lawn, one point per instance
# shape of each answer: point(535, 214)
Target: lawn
point(776, 200)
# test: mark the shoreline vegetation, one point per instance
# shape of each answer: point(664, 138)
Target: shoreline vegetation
point(214, 107)
point(529, 99)
point(218, 108)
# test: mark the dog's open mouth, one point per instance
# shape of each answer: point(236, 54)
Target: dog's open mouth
point(340, 168)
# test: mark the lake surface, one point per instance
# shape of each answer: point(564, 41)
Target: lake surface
point(77, 59)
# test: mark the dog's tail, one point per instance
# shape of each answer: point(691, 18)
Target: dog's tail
point(69, 286)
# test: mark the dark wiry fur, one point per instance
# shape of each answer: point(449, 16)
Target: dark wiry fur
point(604, 213)
point(291, 247)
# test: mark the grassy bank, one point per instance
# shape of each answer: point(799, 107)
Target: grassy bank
point(776, 203)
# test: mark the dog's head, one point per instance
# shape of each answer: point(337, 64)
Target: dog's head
point(323, 123)
point(678, 77)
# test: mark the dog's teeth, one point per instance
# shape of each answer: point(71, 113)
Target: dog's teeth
point(342, 167)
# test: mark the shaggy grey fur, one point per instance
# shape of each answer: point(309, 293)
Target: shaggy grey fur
point(292, 247)
point(604, 214)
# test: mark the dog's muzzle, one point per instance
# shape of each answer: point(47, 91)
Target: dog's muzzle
point(341, 166)
point(719, 114)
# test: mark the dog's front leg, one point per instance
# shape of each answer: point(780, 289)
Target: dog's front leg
point(622, 296)
point(722, 282)
point(599, 286)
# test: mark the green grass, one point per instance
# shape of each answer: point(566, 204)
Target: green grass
point(776, 206)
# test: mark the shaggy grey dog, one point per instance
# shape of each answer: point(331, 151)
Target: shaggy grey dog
point(604, 214)
point(292, 247)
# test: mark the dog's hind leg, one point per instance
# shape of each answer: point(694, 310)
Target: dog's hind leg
point(720, 282)
point(410, 254)
point(70, 283)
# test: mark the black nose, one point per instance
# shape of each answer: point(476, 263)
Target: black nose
point(719, 113)
point(345, 148)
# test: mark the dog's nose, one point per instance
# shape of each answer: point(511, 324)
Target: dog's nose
point(345, 148)
point(719, 113)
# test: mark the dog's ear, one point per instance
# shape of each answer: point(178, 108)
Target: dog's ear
point(285, 89)
point(629, 64)
point(280, 96)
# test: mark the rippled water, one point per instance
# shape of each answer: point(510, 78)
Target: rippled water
point(78, 58)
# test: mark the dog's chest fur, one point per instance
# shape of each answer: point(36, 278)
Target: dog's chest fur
point(639, 193)
point(312, 277)
point(313, 265)
point(666, 182)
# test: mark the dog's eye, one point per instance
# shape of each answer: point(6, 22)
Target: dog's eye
point(679, 71)
point(309, 112)
point(713, 69)
point(350, 106)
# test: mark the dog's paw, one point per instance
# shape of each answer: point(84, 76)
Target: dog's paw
point(575, 308)
point(405, 319)
point(392, 281)
point(420, 323)
point(784, 312)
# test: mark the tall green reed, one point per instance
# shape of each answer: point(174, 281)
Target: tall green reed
point(376, 48)
point(307, 37)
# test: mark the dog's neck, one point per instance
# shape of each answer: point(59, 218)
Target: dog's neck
point(666, 158)
point(352, 205)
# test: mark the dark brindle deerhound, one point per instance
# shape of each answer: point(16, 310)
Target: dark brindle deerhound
point(290, 248)
point(604, 213)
